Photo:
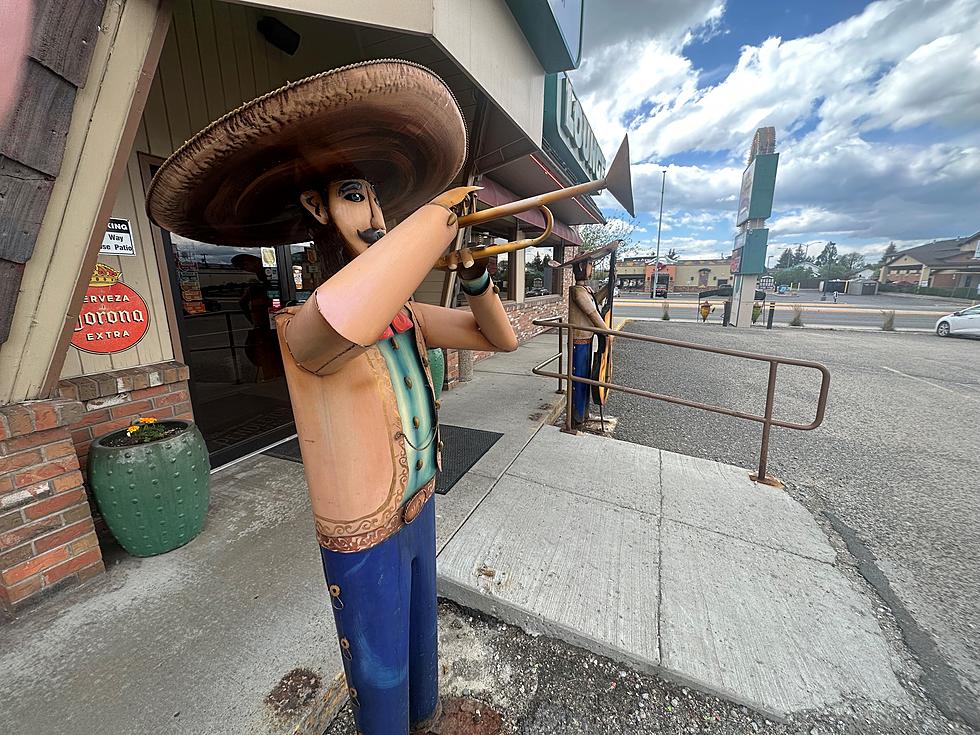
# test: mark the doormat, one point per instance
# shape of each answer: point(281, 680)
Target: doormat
point(462, 447)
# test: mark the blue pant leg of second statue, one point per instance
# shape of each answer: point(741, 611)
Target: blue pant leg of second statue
point(371, 609)
point(423, 635)
point(581, 367)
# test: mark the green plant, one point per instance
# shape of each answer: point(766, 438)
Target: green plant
point(145, 430)
point(797, 320)
point(888, 324)
point(666, 315)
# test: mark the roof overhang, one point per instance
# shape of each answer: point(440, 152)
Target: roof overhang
point(535, 173)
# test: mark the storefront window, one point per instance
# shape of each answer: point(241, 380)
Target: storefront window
point(539, 277)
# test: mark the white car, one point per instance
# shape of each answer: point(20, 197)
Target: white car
point(965, 321)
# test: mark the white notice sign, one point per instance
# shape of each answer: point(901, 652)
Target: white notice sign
point(118, 238)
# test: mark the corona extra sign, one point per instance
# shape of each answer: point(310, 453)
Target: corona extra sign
point(113, 317)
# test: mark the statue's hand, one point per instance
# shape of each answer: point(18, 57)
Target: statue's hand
point(472, 269)
point(463, 262)
point(453, 198)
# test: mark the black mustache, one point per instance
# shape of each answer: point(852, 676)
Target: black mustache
point(372, 235)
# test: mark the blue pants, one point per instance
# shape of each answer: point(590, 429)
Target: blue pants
point(385, 610)
point(582, 368)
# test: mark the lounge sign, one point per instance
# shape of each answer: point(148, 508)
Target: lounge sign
point(113, 317)
point(568, 132)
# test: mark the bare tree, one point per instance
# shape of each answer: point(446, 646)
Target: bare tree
point(619, 227)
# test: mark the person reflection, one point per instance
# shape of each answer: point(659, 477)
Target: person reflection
point(261, 344)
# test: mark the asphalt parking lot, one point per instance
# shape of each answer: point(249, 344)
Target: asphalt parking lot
point(893, 472)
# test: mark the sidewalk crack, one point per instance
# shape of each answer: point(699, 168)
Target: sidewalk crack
point(487, 494)
point(759, 544)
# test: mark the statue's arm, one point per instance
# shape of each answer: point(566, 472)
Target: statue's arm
point(346, 314)
point(484, 327)
point(585, 302)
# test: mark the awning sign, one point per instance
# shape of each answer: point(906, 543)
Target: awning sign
point(118, 238)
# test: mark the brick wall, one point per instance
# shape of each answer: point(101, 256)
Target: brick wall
point(49, 529)
point(521, 314)
point(47, 537)
point(115, 399)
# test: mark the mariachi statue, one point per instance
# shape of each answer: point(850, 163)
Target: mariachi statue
point(317, 160)
point(584, 310)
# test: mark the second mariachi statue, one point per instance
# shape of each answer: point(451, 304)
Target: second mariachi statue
point(317, 160)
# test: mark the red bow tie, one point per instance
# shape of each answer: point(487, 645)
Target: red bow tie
point(401, 323)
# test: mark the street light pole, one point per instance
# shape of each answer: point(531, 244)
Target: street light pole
point(660, 221)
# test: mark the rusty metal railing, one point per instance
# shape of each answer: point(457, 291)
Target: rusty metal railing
point(766, 419)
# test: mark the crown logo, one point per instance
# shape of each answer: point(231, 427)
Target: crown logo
point(104, 275)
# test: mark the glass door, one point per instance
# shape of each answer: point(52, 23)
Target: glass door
point(225, 298)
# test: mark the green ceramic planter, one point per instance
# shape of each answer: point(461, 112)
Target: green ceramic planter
point(154, 496)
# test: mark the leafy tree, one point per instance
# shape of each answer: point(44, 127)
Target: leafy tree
point(796, 274)
point(799, 255)
point(889, 252)
point(851, 263)
point(828, 256)
point(620, 227)
point(785, 260)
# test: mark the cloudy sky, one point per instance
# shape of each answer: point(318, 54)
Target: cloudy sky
point(876, 108)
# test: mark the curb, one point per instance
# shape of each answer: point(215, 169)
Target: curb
point(533, 624)
point(805, 327)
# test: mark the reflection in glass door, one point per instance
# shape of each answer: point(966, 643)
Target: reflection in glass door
point(225, 297)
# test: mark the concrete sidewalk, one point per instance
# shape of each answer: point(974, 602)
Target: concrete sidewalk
point(676, 565)
point(193, 642)
point(679, 566)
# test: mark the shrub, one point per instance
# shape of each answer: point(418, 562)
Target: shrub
point(888, 323)
point(797, 320)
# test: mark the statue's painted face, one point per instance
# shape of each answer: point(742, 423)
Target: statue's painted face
point(353, 206)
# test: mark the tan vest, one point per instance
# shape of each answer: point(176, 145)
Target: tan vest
point(581, 304)
point(350, 434)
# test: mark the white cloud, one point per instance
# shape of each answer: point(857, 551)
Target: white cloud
point(877, 118)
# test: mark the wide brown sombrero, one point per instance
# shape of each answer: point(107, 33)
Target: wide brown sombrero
point(238, 181)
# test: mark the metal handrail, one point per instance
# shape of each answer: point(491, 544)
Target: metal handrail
point(766, 419)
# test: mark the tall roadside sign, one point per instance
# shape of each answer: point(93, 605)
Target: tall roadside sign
point(754, 208)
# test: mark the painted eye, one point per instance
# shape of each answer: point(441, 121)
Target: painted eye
point(354, 196)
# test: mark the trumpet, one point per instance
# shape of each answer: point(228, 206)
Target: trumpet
point(617, 181)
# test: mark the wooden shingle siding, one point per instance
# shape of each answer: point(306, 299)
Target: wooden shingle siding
point(64, 36)
point(24, 195)
point(37, 127)
point(10, 278)
point(33, 136)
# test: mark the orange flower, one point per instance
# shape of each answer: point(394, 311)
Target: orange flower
point(132, 429)
point(148, 420)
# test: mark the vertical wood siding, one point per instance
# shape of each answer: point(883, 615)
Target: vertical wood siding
point(213, 60)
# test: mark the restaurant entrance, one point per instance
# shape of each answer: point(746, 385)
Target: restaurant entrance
point(225, 298)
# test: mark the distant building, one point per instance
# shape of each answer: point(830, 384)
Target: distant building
point(951, 263)
point(698, 275)
point(636, 274)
